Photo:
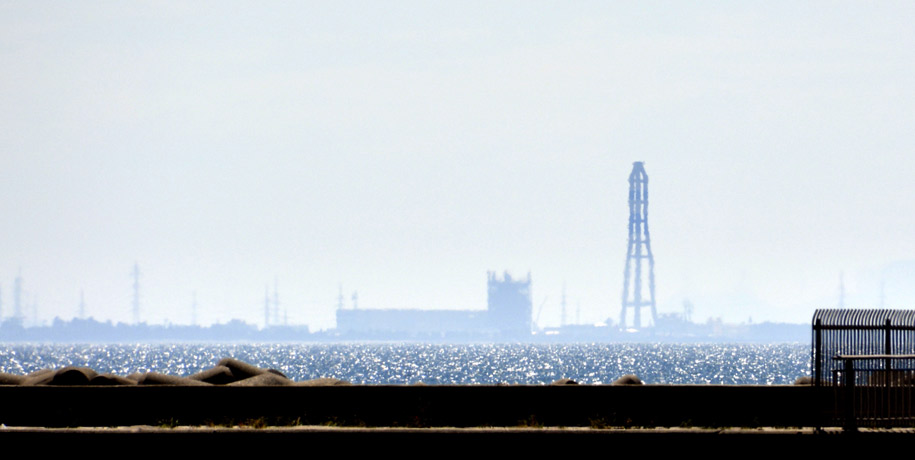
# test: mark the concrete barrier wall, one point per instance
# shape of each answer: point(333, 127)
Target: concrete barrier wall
point(419, 406)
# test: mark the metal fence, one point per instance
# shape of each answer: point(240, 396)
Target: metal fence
point(874, 397)
point(861, 332)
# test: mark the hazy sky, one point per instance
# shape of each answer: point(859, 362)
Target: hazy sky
point(403, 149)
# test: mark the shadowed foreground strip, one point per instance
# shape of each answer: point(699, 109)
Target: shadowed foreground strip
point(235, 404)
point(454, 441)
point(235, 393)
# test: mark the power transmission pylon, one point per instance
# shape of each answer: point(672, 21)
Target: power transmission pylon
point(639, 250)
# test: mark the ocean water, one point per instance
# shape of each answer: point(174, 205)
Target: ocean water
point(743, 364)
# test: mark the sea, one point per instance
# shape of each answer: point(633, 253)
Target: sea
point(438, 364)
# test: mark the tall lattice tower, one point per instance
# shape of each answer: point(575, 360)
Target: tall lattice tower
point(639, 250)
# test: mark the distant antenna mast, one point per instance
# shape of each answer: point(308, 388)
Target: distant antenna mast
point(562, 321)
point(687, 310)
point(355, 300)
point(639, 249)
point(82, 305)
point(340, 298)
point(136, 293)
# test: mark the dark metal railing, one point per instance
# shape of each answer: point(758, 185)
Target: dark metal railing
point(861, 332)
point(874, 397)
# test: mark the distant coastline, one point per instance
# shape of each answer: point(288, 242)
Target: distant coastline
point(93, 331)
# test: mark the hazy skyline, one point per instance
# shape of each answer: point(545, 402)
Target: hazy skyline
point(404, 149)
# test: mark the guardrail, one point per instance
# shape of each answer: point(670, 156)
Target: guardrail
point(859, 332)
point(877, 397)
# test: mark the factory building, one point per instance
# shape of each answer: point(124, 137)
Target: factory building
point(507, 317)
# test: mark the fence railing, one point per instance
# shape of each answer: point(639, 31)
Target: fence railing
point(860, 332)
point(878, 397)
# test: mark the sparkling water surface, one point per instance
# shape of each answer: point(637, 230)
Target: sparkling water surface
point(382, 363)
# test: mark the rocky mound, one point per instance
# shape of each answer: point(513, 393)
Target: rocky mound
point(228, 371)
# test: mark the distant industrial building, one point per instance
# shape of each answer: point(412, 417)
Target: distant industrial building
point(508, 315)
point(508, 305)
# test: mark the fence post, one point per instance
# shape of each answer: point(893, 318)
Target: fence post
point(850, 422)
point(887, 366)
point(888, 344)
point(817, 354)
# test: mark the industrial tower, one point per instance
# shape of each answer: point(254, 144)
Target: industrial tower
point(638, 251)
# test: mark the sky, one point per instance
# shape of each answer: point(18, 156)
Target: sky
point(401, 150)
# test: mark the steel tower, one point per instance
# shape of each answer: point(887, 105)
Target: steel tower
point(638, 251)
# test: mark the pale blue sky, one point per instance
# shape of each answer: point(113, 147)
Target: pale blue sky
point(405, 148)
